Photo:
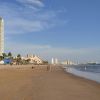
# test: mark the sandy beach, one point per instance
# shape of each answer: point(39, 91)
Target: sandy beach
point(25, 83)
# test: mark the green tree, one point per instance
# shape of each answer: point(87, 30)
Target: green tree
point(4, 55)
point(1, 58)
point(18, 60)
point(18, 56)
point(45, 62)
point(10, 54)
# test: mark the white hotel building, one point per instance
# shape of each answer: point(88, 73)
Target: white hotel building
point(1, 36)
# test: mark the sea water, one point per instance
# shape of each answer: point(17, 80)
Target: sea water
point(91, 72)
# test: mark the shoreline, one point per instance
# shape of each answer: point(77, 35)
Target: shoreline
point(82, 78)
point(87, 75)
point(39, 67)
point(41, 84)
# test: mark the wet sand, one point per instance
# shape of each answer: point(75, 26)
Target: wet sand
point(38, 83)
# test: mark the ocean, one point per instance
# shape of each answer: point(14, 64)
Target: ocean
point(91, 72)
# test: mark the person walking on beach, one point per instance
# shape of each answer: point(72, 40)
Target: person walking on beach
point(48, 67)
point(32, 67)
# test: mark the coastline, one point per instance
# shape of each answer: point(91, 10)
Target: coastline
point(40, 84)
point(84, 74)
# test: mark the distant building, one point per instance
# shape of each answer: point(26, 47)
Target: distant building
point(68, 63)
point(54, 61)
point(35, 59)
point(1, 36)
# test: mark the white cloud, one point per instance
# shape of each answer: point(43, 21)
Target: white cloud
point(21, 26)
point(31, 3)
point(22, 20)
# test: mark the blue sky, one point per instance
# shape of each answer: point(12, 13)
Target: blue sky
point(64, 29)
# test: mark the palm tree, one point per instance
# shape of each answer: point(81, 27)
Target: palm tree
point(18, 56)
point(10, 55)
point(4, 55)
point(18, 60)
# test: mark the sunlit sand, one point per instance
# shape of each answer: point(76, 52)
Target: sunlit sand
point(39, 83)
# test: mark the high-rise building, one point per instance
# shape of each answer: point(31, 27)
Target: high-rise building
point(56, 61)
point(1, 36)
point(52, 61)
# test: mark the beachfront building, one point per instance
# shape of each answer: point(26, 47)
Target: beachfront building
point(54, 61)
point(35, 59)
point(67, 62)
point(1, 36)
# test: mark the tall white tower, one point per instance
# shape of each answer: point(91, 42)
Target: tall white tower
point(1, 36)
point(56, 61)
point(52, 61)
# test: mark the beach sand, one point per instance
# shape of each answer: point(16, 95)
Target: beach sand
point(42, 84)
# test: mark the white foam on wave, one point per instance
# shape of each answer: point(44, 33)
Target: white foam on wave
point(87, 75)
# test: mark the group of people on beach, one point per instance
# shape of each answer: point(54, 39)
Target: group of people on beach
point(48, 67)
